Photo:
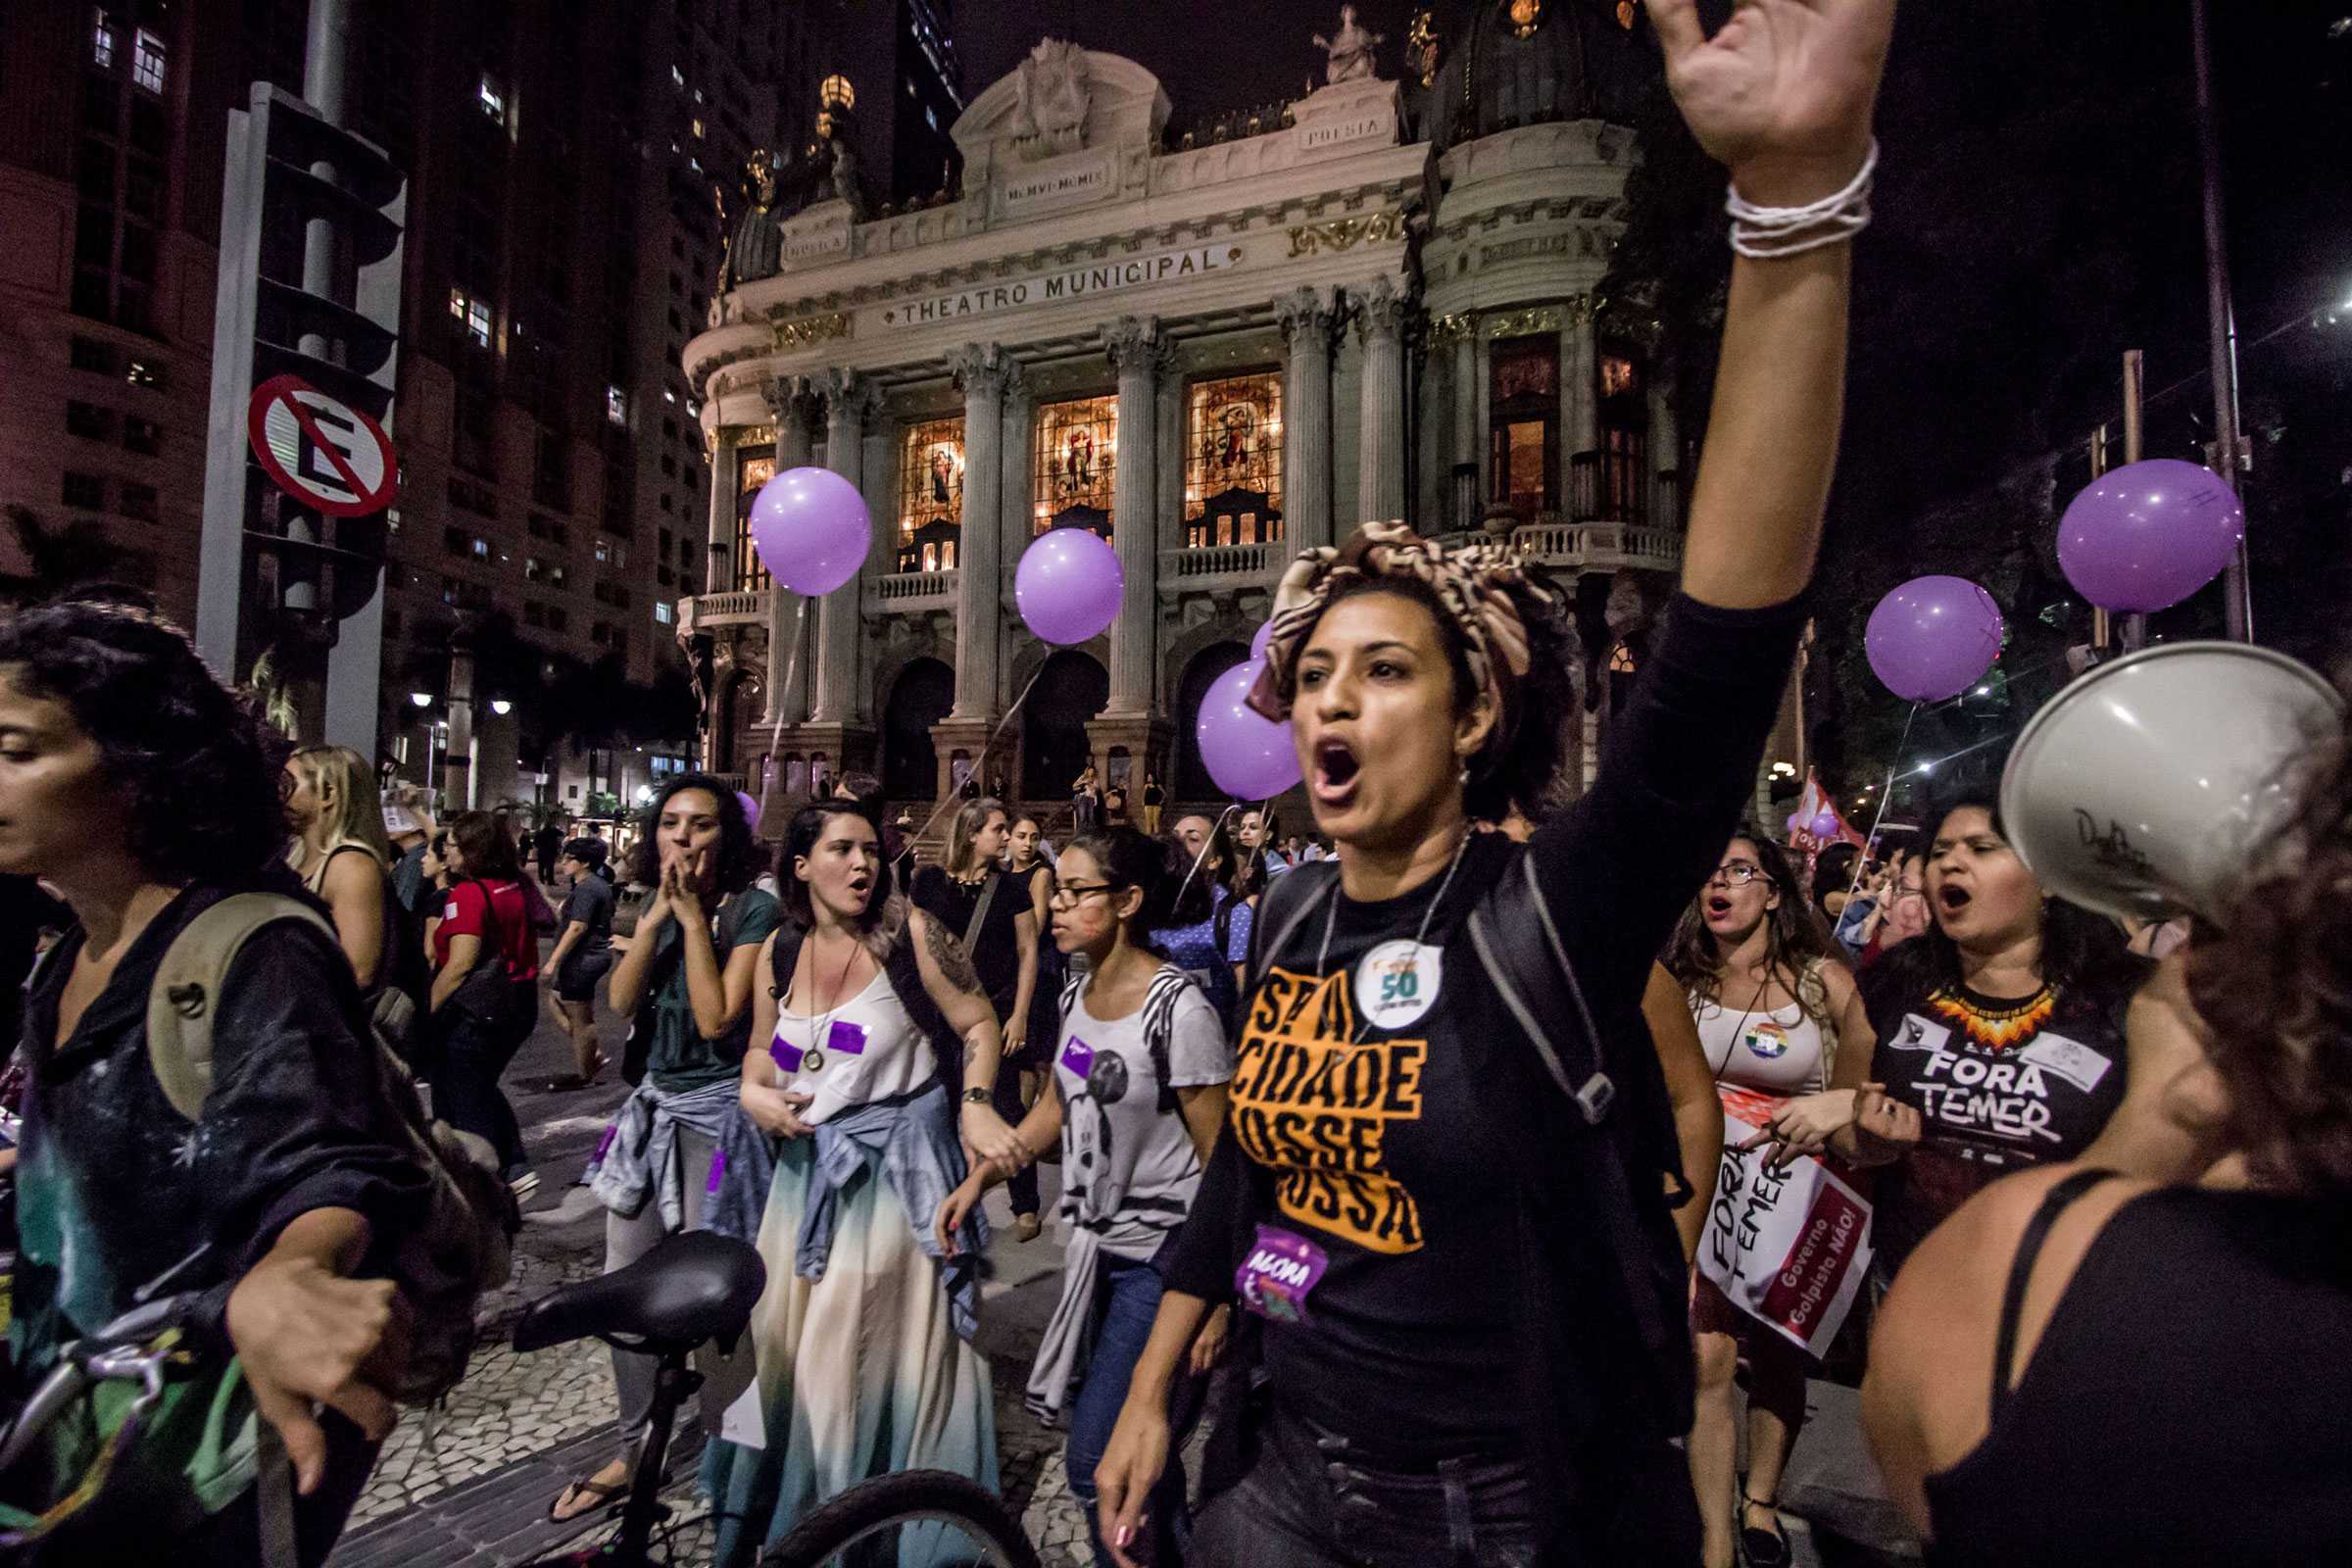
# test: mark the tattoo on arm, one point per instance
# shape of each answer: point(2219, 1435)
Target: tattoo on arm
point(954, 964)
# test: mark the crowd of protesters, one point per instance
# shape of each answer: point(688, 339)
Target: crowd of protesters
point(1443, 1159)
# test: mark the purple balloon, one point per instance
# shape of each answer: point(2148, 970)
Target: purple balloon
point(1824, 825)
point(812, 529)
point(1248, 756)
point(750, 807)
point(2150, 534)
point(1068, 585)
point(1258, 644)
point(1933, 638)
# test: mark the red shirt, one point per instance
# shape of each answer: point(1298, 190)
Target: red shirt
point(462, 917)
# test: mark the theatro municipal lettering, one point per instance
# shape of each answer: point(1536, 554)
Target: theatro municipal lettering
point(1079, 282)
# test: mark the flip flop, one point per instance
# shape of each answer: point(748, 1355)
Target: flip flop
point(598, 1494)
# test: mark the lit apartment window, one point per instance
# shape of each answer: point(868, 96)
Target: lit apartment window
point(141, 373)
point(481, 548)
point(616, 404)
point(492, 96)
point(472, 315)
point(698, 130)
point(677, 77)
point(102, 42)
point(663, 612)
point(147, 64)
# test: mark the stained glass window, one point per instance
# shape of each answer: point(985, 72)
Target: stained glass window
point(931, 496)
point(753, 467)
point(1233, 461)
point(1077, 454)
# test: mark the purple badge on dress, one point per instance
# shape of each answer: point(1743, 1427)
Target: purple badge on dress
point(845, 1039)
point(1078, 1057)
point(1275, 1278)
point(786, 1054)
point(718, 1169)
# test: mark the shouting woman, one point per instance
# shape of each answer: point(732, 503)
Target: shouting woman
point(1789, 1046)
point(1464, 1283)
point(862, 1338)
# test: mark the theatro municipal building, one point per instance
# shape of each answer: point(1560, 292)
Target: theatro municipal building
point(1214, 348)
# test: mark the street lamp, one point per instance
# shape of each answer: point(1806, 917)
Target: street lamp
point(501, 706)
point(421, 699)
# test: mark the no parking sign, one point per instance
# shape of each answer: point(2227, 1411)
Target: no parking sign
point(323, 453)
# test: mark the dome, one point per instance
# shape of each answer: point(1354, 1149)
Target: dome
point(1525, 62)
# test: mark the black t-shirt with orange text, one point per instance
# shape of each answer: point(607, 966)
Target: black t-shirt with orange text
point(1354, 1090)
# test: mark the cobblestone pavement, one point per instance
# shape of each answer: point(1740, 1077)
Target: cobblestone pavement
point(469, 1484)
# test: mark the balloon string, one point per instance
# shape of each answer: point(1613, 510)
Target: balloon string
point(1207, 842)
point(792, 665)
point(1885, 793)
point(980, 763)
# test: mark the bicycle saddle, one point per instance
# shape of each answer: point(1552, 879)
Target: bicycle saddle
point(692, 1287)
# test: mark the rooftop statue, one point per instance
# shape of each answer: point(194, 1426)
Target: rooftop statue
point(1053, 102)
point(1350, 50)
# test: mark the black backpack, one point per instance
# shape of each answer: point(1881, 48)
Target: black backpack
point(1611, 1159)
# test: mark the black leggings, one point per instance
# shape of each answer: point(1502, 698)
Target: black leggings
point(467, 1091)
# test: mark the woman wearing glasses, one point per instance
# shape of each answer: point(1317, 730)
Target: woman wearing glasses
point(1786, 1034)
point(1140, 1074)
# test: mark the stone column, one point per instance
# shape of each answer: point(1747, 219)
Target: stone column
point(1139, 355)
point(1307, 319)
point(1469, 444)
point(1016, 526)
point(982, 369)
point(1579, 390)
point(787, 677)
point(850, 400)
point(1665, 456)
point(882, 456)
point(719, 543)
point(1380, 327)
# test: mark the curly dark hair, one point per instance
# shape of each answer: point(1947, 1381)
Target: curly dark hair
point(1526, 750)
point(2275, 985)
point(740, 857)
point(202, 776)
point(1794, 935)
point(2081, 951)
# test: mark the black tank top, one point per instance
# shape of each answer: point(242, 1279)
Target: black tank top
point(2190, 1401)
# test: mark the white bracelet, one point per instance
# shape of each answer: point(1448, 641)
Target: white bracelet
point(1768, 233)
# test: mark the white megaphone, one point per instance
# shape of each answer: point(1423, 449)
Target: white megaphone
point(2144, 787)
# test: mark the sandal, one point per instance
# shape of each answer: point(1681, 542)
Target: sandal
point(587, 1494)
point(1763, 1549)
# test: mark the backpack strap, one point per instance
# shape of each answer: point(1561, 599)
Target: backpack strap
point(783, 959)
point(186, 991)
point(1517, 904)
point(1159, 1027)
point(1282, 909)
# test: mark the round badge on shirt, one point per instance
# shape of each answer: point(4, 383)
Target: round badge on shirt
point(1767, 1040)
point(1398, 982)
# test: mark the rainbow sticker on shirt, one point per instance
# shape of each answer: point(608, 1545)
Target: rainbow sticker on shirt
point(2002, 1029)
point(1313, 1106)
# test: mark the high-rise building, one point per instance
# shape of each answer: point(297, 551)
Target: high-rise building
point(112, 135)
point(898, 58)
point(562, 245)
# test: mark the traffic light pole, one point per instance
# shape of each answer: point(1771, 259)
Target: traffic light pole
point(2237, 607)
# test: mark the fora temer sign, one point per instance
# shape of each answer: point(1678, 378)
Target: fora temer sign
point(1054, 288)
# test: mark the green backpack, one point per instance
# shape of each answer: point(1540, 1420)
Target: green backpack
point(466, 1244)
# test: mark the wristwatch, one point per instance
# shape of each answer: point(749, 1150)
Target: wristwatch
point(977, 1097)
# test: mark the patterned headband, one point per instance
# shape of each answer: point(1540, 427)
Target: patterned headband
point(1480, 586)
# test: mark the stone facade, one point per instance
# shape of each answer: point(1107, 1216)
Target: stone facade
point(1215, 355)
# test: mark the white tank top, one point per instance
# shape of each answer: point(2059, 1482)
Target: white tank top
point(1775, 1053)
point(870, 1051)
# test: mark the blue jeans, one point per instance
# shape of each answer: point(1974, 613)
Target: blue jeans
point(1127, 1295)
